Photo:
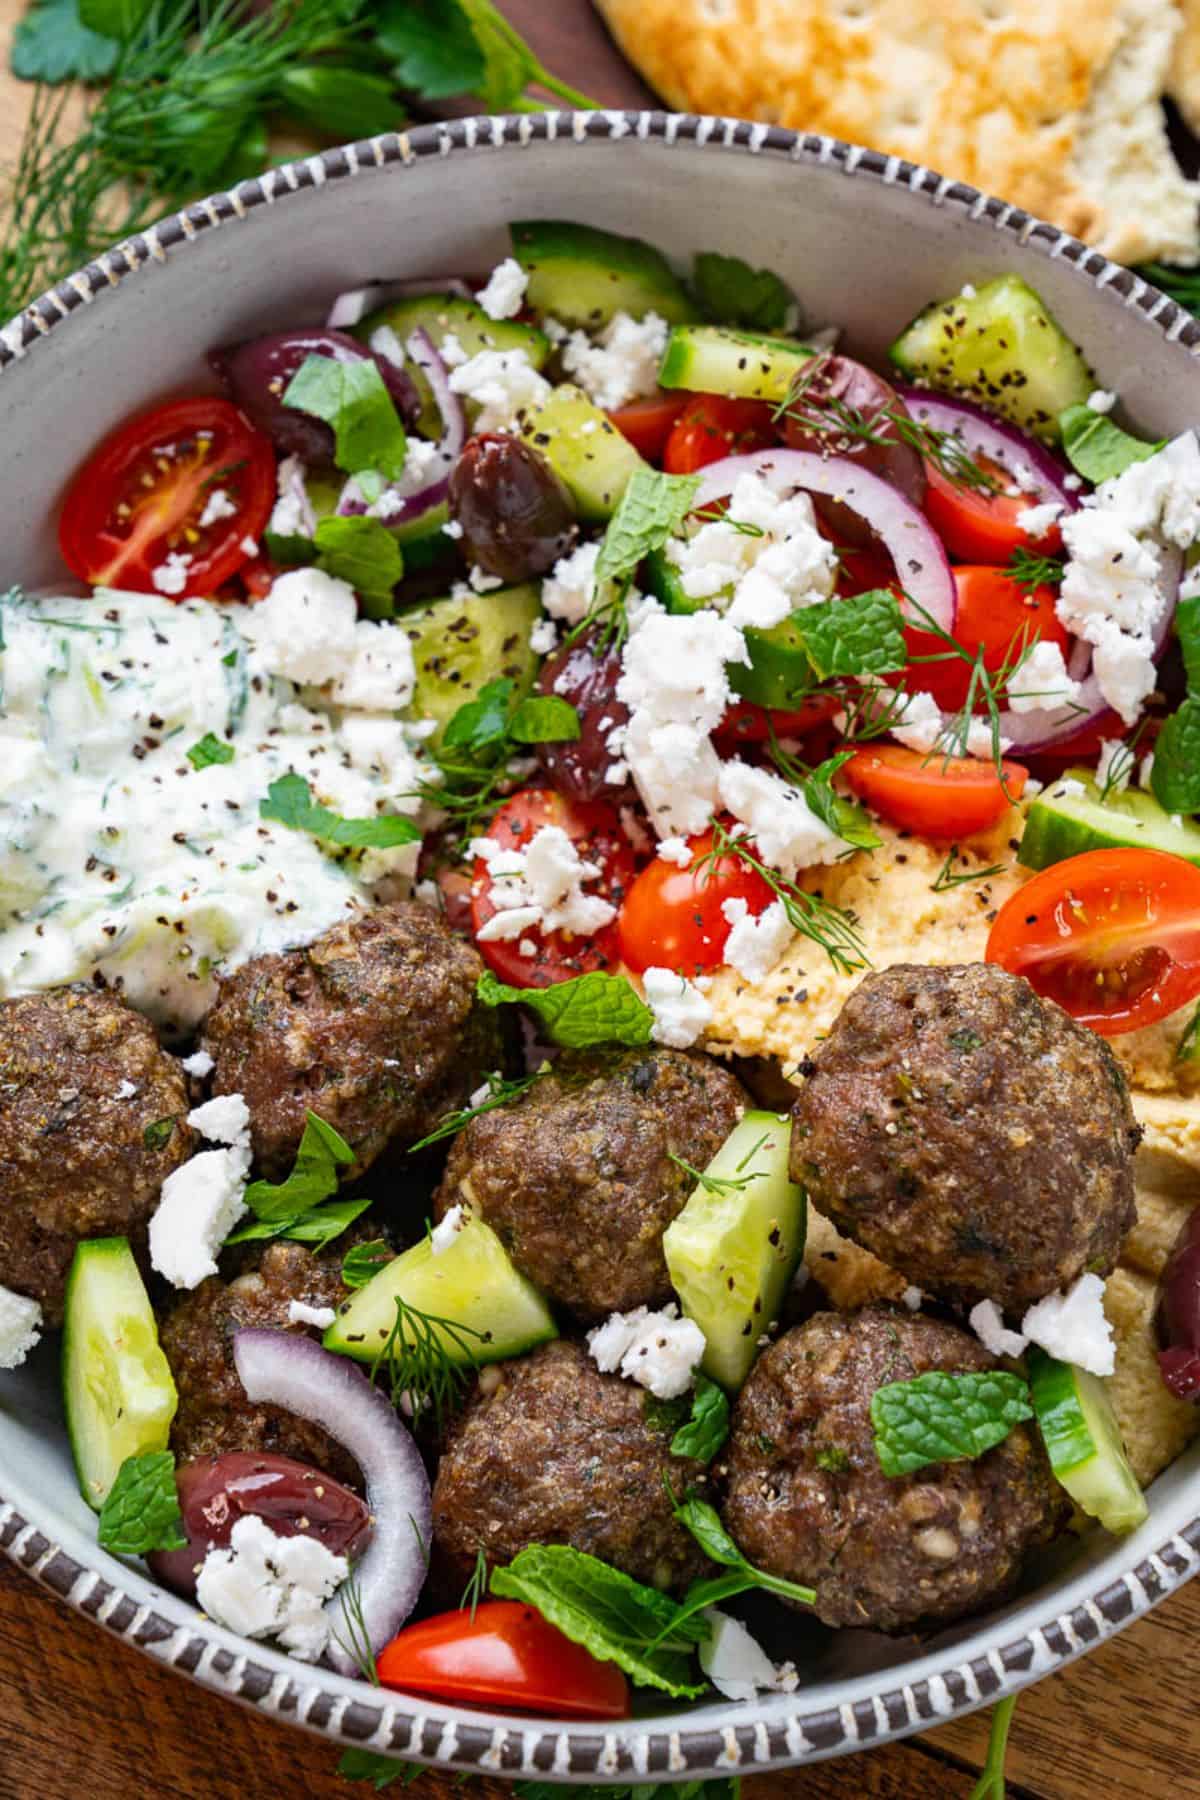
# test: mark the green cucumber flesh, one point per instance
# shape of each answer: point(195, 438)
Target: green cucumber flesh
point(461, 645)
point(584, 276)
point(1001, 347)
point(441, 316)
point(585, 450)
point(661, 578)
point(472, 1283)
point(1062, 823)
point(779, 674)
point(1083, 1442)
point(118, 1392)
point(715, 359)
point(732, 1253)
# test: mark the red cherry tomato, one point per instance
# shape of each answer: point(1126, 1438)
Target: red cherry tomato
point(672, 916)
point(142, 496)
point(981, 527)
point(747, 724)
point(712, 426)
point(1112, 935)
point(995, 616)
point(504, 1655)
point(258, 576)
point(595, 829)
point(648, 423)
point(935, 795)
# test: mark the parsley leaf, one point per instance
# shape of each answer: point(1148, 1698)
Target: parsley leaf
point(610, 1614)
point(113, 18)
point(142, 1512)
point(705, 1431)
point(362, 1263)
point(380, 1771)
point(509, 65)
point(732, 293)
point(652, 509)
point(51, 43)
point(341, 102)
point(289, 802)
point(208, 750)
point(943, 1417)
point(847, 818)
point(588, 1009)
point(357, 549)
point(861, 635)
point(1096, 448)
point(1175, 772)
point(432, 46)
point(294, 1207)
point(352, 398)
point(544, 719)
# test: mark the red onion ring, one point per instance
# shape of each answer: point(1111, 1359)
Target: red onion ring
point(1034, 470)
point(351, 307)
point(287, 1369)
point(403, 508)
point(907, 535)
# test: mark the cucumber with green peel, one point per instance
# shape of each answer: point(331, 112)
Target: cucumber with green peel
point(585, 450)
point(779, 674)
point(743, 365)
point(733, 1250)
point(1083, 1442)
point(1001, 347)
point(472, 1283)
point(660, 578)
point(118, 1392)
point(459, 645)
point(1062, 822)
point(583, 276)
point(441, 316)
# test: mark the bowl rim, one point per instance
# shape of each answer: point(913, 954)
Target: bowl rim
point(441, 1736)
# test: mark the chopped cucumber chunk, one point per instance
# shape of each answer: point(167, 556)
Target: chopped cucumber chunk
point(585, 450)
point(441, 316)
point(118, 1391)
point(461, 645)
point(584, 276)
point(1062, 823)
point(714, 359)
point(471, 1282)
point(734, 1248)
point(1083, 1442)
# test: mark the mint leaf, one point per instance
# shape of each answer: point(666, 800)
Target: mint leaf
point(609, 1613)
point(943, 1417)
point(703, 1434)
point(51, 43)
point(351, 397)
point(364, 1261)
point(544, 719)
point(1096, 448)
point(142, 1512)
point(847, 818)
point(652, 509)
point(289, 802)
point(862, 635)
point(730, 292)
point(482, 723)
point(432, 46)
point(589, 1009)
point(1187, 630)
point(313, 1178)
point(1175, 772)
point(208, 750)
point(380, 1771)
point(362, 552)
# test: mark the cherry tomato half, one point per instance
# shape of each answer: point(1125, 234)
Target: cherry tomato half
point(1112, 935)
point(995, 616)
point(712, 426)
point(505, 1655)
point(745, 723)
point(982, 527)
point(938, 796)
point(146, 492)
point(672, 916)
point(648, 423)
point(595, 830)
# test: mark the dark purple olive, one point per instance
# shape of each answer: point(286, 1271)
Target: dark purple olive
point(293, 1498)
point(842, 408)
point(1178, 1315)
point(579, 768)
point(516, 515)
point(257, 374)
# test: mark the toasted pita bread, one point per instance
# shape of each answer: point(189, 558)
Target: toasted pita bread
point(1183, 79)
point(1051, 104)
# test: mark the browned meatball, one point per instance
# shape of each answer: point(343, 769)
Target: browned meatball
point(968, 1133)
point(550, 1451)
point(805, 1496)
point(374, 1026)
point(575, 1176)
point(197, 1336)
point(92, 1114)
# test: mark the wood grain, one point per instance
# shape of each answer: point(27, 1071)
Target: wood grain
point(81, 1714)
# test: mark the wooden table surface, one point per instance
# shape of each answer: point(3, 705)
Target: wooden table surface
point(81, 1714)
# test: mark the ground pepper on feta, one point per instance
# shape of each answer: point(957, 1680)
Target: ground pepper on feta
point(658, 1350)
point(264, 1586)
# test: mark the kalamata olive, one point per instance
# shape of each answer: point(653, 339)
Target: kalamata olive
point(579, 767)
point(1178, 1314)
point(257, 374)
point(832, 400)
point(516, 515)
point(293, 1498)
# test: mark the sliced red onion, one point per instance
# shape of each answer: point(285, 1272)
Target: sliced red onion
point(909, 538)
point(395, 506)
point(353, 306)
point(421, 349)
point(1040, 478)
point(286, 1369)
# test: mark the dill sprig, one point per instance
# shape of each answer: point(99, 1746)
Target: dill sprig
point(1031, 571)
point(1119, 769)
point(503, 1090)
point(949, 877)
point(357, 1642)
point(428, 1362)
point(713, 515)
point(832, 928)
point(477, 1587)
point(737, 1183)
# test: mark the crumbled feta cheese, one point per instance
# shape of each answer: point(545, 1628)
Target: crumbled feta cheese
point(126, 1091)
point(658, 1350)
point(1101, 401)
point(504, 294)
point(675, 850)
point(542, 886)
point(170, 577)
point(379, 675)
point(987, 1322)
point(912, 1298)
point(269, 1586)
point(222, 1120)
point(787, 834)
point(1072, 1326)
point(755, 945)
point(200, 1204)
point(680, 1010)
point(734, 1661)
point(1067, 788)
point(543, 638)
point(622, 363)
point(20, 1327)
point(922, 726)
point(304, 629)
point(502, 384)
point(447, 1228)
point(1036, 521)
point(555, 330)
point(301, 1313)
point(675, 685)
point(1114, 765)
point(1146, 771)
point(249, 546)
point(452, 528)
point(967, 291)
point(424, 463)
point(451, 351)
point(1072, 482)
point(218, 506)
point(199, 1064)
point(480, 582)
point(568, 590)
point(1041, 682)
point(293, 515)
point(760, 575)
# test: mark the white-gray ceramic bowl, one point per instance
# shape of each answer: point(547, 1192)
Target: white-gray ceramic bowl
point(866, 240)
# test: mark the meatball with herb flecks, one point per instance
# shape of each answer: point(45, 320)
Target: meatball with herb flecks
point(968, 1133)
